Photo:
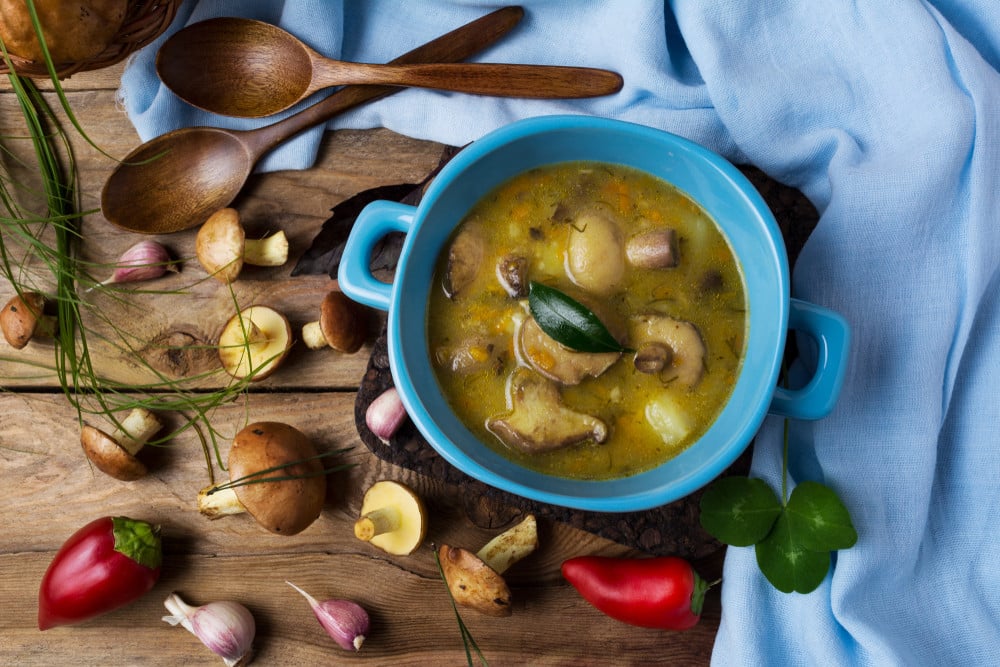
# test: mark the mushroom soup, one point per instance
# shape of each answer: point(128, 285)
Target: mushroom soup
point(640, 256)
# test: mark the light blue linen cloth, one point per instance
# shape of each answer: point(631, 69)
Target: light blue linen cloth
point(886, 114)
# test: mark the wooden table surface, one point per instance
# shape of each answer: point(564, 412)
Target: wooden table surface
point(48, 489)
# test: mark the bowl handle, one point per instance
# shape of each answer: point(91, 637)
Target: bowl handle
point(354, 276)
point(832, 334)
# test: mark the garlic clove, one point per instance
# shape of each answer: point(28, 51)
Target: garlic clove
point(227, 628)
point(385, 415)
point(345, 621)
point(145, 260)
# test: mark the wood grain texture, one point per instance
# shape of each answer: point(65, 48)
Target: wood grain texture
point(48, 490)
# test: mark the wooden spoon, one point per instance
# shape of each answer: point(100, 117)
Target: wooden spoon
point(177, 180)
point(241, 67)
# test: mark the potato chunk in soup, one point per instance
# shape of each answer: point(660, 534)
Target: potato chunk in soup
point(647, 261)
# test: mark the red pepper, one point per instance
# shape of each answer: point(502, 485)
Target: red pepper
point(105, 565)
point(662, 592)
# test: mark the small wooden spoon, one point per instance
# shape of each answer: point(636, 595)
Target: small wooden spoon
point(241, 67)
point(175, 181)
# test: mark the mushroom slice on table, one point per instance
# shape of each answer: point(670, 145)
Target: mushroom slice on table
point(538, 421)
point(556, 361)
point(286, 506)
point(341, 325)
point(393, 518)
point(222, 247)
point(114, 453)
point(22, 318)
point(254, 342)
point(476, 579)
point(687, 349)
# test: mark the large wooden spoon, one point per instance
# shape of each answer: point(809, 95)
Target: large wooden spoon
point(241, 67)
point(175, 181)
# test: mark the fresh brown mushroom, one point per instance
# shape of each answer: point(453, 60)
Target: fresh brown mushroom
point(687, 358)
point(595, 259)
point(538, 421)
point(114, 453)
point(341, 325)
point(465, 258)
point(23, 318)
point(254, 342)
point(222, 247)
point(555, 361)
point(476, 580)
point(261, 451)
point(392, 518)
point(655, 249)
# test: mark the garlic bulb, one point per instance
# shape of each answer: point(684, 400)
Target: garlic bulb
point(385, 415)
point(346, 622)
point(226, 628)
point(145, 260)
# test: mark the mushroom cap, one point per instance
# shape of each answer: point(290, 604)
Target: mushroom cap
point(473, 583)
point(239, 357)
point(108, 456)
point(411, 513)
point(219, 245)
point(343, 322)
point(291, 505)
point(19, 318)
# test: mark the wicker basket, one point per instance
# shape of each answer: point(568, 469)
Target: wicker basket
point(144, 21)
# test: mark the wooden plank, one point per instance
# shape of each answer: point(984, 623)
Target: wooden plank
point(191, 308)
point(49, 491)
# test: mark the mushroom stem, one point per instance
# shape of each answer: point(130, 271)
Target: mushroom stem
point(312, 336)
point(215, 503)
point(268, 251)
point(136, 429)
point(377, 522)
point(510, 546)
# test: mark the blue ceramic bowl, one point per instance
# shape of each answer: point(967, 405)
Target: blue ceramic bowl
point(707, 178)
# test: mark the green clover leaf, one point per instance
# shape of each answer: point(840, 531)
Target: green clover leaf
point(739, 510)
point(818, 518)
point(787, 564)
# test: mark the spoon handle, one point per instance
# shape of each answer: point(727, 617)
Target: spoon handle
point(450, 47)
point(500, 80)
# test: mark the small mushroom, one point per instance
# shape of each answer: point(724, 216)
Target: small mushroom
point(341, 325)
point(264, 450)
point(476, 580)
point(555, 361)
point(23, 318)
point(512, 273)
point(653, 357)
point(393, 518)
point(465, 257)
point(222, 247)
point(114, 453)
point(471, 354)
point(538, 421)
point(595, 257)
point(254, 342)
point(656, 249)
point(687, 360)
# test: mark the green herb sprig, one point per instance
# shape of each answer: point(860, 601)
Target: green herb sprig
point(793, 537)
point(38, 252)
point(262, 476)
point(467, 639)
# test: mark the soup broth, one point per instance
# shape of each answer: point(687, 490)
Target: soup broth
point(643, 258)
